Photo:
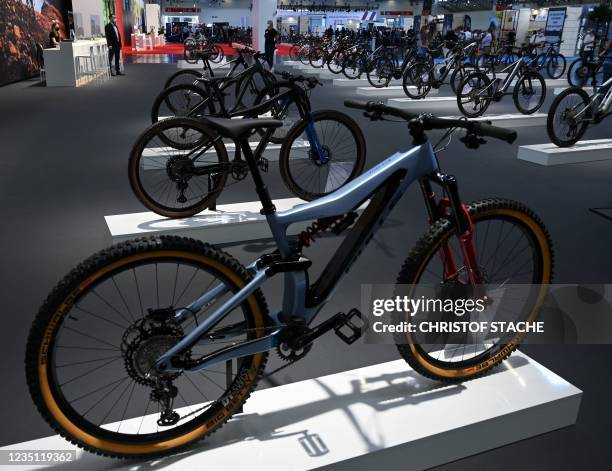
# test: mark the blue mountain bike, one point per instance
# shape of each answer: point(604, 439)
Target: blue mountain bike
point(154, 343)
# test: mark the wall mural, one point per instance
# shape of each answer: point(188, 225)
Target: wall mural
point(23, 23)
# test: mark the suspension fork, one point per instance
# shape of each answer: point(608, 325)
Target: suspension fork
point(465, 228)
point(313, 139)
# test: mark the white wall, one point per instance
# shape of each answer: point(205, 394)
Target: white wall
point(234, 16)
point(83, 10)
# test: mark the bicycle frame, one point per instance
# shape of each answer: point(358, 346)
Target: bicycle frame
point(516, 71)
point(383, 186)
point(303, 105)
point(603, 109)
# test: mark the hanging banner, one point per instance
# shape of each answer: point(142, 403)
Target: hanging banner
point(555, 21)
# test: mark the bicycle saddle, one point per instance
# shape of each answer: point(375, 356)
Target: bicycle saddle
point(238, 128)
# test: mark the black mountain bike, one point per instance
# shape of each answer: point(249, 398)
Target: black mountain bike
point(585, 69)
point(179, 166)
point(551, 60)
point(573, 110)
point(477, 91)
point(388, 68)
point(209, 96)
point(192, 77)
point(422, 76)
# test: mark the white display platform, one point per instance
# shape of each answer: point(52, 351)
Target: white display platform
point(513, 120)
point(183, 64)
point(321, 73)
point(390, 91)
point(435, 102)
point(384, 417)
point(156, 157)
point(230, 223)
point(583, 151)
point(360, 82)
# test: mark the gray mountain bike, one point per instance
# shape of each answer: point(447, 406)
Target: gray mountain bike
point(155, 343)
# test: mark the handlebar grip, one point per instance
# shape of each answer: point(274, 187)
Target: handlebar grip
point(360, 105)
point(485, 129)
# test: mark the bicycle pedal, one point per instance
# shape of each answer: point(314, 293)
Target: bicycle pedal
point(348, 323)
point(263, 164)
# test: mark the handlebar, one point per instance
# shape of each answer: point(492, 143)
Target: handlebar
point(479, 128)
point(312, 81)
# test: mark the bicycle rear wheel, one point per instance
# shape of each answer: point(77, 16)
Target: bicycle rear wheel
point(184, 77)
point(183, 100)
point(417, 80)
point(178, 167)
point(513, 249)
point(93, 343)
point(217, 54)
point(474, 95)
point(343, 152)
point(556, 66)
point(351, 68)
point(568, 117)
point(381, 73)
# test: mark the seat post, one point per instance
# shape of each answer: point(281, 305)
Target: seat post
point(260, 187)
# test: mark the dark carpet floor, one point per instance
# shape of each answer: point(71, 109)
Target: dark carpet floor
point(63, 167)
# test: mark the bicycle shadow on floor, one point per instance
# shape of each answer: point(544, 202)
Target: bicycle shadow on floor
point(399, 389)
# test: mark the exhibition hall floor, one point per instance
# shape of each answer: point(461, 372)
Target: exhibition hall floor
point(63, 167)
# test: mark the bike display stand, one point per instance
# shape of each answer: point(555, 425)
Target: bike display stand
point(227, 224)
point(323, 74)
point(182, 64)
point(384, 416)
point(153, 158)
point(430, 102)
point(583, 151)
point(511, 120)
point(360, 82)
point(391, 91)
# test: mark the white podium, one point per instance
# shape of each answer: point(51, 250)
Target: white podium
point(381, 417)
point(60, 63)
point(581, 152)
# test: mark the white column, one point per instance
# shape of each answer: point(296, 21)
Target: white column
point(263, 10)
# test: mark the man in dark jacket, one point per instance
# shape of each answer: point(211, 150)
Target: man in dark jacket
point(113, 39)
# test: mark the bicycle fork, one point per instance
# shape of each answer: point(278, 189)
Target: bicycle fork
point(320, 156)
point(452, 205)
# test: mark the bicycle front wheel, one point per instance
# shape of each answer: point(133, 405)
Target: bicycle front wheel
point(94, 342)
point(513, 250)
point(529, 92)
point(311, 170)
point(556, 66)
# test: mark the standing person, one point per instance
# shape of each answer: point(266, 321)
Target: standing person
point(113, 39)
point(487, 41)
point(54, 35)
point(606, 55)
point(588, 44)
point(270, 37)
